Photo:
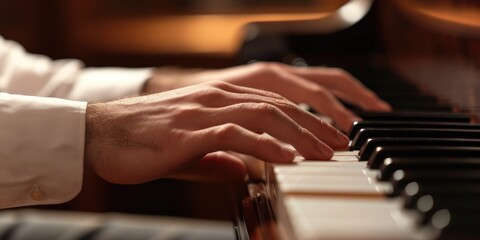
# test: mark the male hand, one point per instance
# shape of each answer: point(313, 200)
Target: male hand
point(317, 86)
point(200, 131)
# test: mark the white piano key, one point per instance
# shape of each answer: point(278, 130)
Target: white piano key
point(346, 153)
point(317, 218)
point(335, 187)
point(323, 170)
point(339, 156)
point(322, 198)
point(310, 177)
point(345, 158)
point(336, 164)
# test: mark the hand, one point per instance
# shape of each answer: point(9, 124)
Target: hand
point(317, 86)
point(192, 131)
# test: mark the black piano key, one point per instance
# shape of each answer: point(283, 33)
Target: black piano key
point(402, 177)
point(411, 104)
point(427, 205)
point(364, 134)
point(382, 153)
point(414, 190)
point(456, 224)
point(401, 124)
point(371, 144)
point(391, 165)
point(402, 95)
point(415, 116)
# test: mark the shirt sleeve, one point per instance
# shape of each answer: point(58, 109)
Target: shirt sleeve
point(97, 84)
point(41, 133)
point(37, 75)
point(41, 150)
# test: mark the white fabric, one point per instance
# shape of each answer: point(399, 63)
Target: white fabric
point(42, 138)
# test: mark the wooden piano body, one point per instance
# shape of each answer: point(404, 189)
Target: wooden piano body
point(433, 47)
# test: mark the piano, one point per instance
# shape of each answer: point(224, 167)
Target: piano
point(413, 173)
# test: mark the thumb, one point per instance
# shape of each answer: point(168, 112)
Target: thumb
point(215, 167)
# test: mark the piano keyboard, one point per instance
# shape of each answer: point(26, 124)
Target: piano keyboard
point(402, 180)
point(410, 174)
point(323, 199)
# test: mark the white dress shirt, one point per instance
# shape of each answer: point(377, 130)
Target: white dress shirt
point(41, 134)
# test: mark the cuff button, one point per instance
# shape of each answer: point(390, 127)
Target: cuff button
point(37, 194)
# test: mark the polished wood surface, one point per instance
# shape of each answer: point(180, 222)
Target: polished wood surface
point(95, 27)
point(436, 46)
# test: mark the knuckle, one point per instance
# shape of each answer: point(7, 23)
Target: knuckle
point(260, 142)
point(319, 92)
point(226, 131)
point(275, 95)
point(270, 114)
point(284, 103)
point(267, 68)
point(187, 112)
point(218, 84)
point(267, 109)
point(339, 71)
point(263, 65)
point(346, 78)
point(209, 94)
point(287, 106)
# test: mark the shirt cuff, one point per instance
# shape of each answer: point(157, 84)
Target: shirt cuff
point(100, 84)
point(41, 148)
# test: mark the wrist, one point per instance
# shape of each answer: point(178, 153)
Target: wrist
point(91, 131)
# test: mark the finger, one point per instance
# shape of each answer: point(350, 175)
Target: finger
point(344, 86)
point(315, 95)
point(299, 89)
point(215, 167)
point(219, 94)
point(328, 104)
point(320, 98)
point(244, 109)
point(246, 90)
point(255, 167)
point(231, 137)
point(286, 82)
point(323, 131)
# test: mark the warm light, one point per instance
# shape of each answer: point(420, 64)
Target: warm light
point(353, 11)
point(215, 34)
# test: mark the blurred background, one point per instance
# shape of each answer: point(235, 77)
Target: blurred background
point(194, 33)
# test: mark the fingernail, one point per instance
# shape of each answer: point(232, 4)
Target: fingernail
point(287, 154)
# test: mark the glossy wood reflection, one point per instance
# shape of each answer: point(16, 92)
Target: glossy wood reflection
point(436, 45)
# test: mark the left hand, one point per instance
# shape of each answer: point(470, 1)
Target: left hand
point(320, 87)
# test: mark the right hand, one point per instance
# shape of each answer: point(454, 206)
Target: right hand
point(319, 87)
point(197, 130)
